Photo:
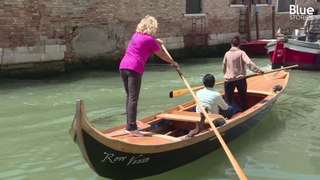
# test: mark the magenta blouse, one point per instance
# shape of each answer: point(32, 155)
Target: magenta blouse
point(140, 47)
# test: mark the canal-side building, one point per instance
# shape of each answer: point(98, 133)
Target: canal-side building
point(47, 35)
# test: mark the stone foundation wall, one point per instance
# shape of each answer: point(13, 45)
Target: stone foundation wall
point(36, 31)
point(26, 54)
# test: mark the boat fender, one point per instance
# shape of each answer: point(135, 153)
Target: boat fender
point(277, 88)
point(219, 122)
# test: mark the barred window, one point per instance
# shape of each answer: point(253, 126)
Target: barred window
point(283, 5)
point(193, 6)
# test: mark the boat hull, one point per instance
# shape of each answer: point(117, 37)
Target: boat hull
point(115, 164)
point(166, 143)
point(305, 54)
point(257, 47)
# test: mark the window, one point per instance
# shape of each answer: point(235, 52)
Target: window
point(283, 5)
point(193, 6)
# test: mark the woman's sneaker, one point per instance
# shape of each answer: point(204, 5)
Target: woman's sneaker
point(135, 133)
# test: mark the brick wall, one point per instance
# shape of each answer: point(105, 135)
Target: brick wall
point(75, 30)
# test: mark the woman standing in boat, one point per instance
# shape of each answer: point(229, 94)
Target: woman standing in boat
point(233, 66)
point(141, 46)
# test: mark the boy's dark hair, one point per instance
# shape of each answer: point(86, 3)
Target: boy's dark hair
point(208, 80)
point(235, 41)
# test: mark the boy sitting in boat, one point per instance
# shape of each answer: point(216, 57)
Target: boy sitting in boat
point(212, 101)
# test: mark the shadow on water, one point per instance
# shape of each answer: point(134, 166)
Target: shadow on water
point(64, 78)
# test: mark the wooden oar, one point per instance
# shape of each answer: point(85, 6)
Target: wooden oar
point(180, 92)
point(233, 161)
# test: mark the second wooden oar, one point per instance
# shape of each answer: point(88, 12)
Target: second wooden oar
point(180, 92)
point(232, 159)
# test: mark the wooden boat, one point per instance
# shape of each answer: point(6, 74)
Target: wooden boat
point(294, 51)
point(113, 154)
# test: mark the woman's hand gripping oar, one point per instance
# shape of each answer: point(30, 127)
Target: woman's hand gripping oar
point(232, 159)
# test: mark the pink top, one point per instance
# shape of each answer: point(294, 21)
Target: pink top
point(234, 63)
point(139, 50)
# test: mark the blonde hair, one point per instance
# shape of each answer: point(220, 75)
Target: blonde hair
point(148, 25)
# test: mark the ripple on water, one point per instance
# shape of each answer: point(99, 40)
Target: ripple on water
point(12, 173)
point(313, 148)
point(37, 170)
point(257, 169)
point(69, 164)
point(285, 145)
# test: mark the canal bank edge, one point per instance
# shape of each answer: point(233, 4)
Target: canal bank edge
point(35, 62)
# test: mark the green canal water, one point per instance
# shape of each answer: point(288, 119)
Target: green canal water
point(35, 116)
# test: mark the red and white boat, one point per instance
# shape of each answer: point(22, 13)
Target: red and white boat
point(292, 51)
point(257, 47)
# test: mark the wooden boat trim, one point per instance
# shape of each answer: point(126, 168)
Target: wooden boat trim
point(270, 98)
point(125, 146)
point(173, 139)
point(129, 147)
point(79, 138)
point(163, 147)
point(247, 114)
point(268, 93)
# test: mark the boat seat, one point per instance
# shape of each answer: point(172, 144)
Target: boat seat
point(142, 125)
point(186, 116)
